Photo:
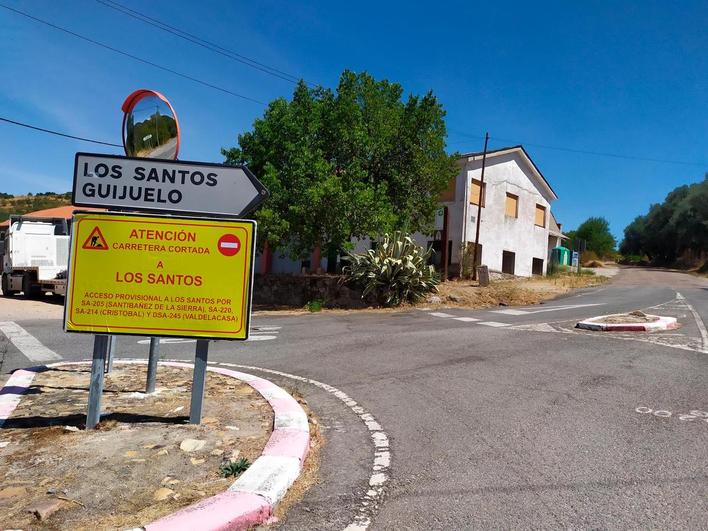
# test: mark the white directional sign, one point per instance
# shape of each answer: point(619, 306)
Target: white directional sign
point(164, 185)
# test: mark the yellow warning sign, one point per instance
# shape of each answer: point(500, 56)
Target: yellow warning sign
point(160, 276)
point(95, 240)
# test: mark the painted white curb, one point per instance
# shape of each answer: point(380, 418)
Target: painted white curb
point(269, 476)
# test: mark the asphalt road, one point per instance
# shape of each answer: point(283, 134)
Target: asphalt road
point(496, 418)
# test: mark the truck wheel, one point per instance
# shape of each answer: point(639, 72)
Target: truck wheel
point(30, 290)
point(6, 286)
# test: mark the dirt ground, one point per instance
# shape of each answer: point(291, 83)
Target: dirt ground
point(136, 466)
point(514, 292)
point(632, 317)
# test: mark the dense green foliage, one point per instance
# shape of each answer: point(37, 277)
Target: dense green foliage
point(21, 204)
point(150, 133)
point(353, 162)
point(673, 229)
point(596, 232)
point(395, 272)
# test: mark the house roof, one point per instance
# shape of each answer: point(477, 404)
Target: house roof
point(65, 212)
point(475, 155)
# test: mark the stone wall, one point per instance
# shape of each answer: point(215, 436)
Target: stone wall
point(296, 291)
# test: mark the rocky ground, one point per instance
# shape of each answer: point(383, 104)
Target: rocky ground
point(144, 460)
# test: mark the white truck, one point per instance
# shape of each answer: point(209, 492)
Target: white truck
point(35, 256)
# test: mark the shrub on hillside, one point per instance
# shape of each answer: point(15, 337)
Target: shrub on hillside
point(396, 271)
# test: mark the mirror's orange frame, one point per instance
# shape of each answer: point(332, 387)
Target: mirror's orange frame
point(132, 100)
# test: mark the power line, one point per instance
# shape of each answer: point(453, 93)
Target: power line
point(582, 151)
point(134, 57)
point(195, 39)
point(57, 133)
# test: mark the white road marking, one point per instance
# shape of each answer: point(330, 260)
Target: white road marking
point(547, 309)
point(257, 334)
point(694, 414)
point(168, 340)
point(27, 343)
point(493, 324)
point(440, 314)
point(511, 312)
point(699, 322)
point(538, 327)
point(260, 337)
point(466, 319)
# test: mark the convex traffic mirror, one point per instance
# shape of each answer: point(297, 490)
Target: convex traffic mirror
point(150, 126)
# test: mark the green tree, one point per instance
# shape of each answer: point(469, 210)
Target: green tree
point(353, 162)
point(672, 229)
point(596, 233)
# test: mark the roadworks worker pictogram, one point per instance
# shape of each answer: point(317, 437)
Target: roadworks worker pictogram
point(96, 240)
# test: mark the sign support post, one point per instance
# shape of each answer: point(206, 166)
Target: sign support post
point(152, 364)
point(199, 381)
point(111, 353)
point(100, 346)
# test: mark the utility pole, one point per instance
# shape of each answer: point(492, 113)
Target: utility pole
point(444, 237)
point(479, 208)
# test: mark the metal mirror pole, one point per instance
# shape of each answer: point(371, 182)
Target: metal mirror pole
point(152, 364)
point(93, 416)
point(199, 381)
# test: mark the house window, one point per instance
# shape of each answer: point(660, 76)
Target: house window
point(448, 196)
point(540, 219)
point(537, 266)
point(508, 262)
point(477, 189)
point(512, 205)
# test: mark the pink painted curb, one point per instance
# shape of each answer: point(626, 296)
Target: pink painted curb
point(228, 510)
point(284, 441)
point(233, 509)
point(663, 323)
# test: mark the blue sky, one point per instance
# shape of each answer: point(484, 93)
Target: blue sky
point(620, 77)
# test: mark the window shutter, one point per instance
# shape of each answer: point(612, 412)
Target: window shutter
point(477, 189)
point(512, 205)
point(540, 219)
point(448, 195)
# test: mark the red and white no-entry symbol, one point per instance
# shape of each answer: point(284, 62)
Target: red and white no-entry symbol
point(229, 244)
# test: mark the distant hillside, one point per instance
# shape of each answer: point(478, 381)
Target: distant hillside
point(21, 204)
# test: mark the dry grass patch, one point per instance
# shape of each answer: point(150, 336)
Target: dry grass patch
point(515, 292)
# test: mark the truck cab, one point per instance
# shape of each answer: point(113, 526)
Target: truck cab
point(35, 256)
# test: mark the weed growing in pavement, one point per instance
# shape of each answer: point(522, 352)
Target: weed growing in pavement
point(315, 306)
point(234, 468)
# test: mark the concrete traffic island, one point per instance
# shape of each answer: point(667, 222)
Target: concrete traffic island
point(145, 465)
point(635, 321)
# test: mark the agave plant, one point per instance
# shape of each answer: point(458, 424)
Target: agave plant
point(395, 272)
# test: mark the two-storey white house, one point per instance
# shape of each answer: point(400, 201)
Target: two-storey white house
point(516, 226)
point(517, 229)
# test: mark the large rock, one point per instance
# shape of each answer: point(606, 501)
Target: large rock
point(47, 508)
point(162, 494)
point(12, 492)
point(192, 445)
